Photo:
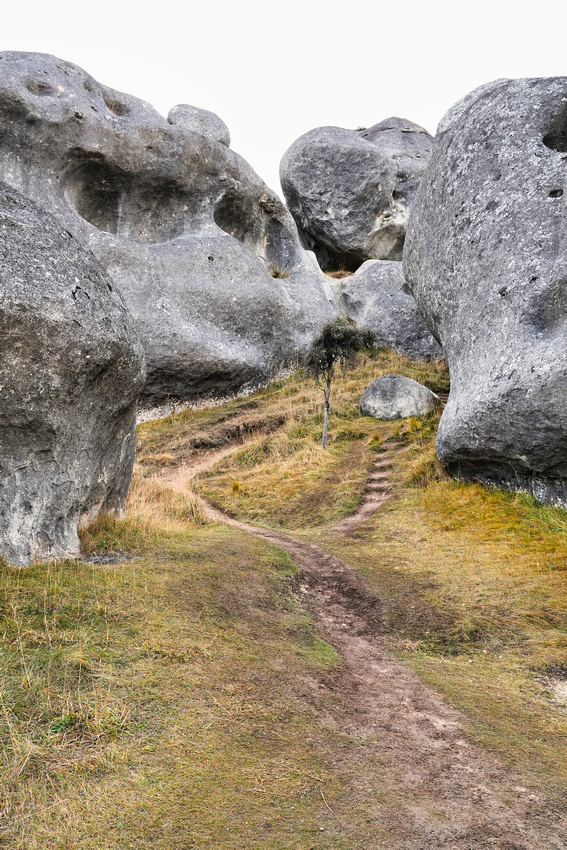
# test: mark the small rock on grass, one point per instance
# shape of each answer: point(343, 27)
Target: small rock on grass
point(396, 397)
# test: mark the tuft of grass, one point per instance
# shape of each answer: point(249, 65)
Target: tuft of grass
point(164, 700)
point(154, 512)
point(276, 271)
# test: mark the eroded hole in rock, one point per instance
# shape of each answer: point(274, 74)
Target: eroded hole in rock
point(95, 190)
point(39, 88)
point(556, 193)
point(547, 310)
point(233, 214)
point(257, 229)
point(115, 106)
point(124, 204)
point(556, 138)
point(335, 262)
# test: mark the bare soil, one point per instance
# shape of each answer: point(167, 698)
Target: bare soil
point(452, 794)
point(373, 497)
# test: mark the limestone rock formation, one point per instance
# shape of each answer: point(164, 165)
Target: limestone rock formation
point(376, 297)
point(71, 369)
point(396, 397)
point(200, 121)
point(350, 191)
point(206, 257)
point(486, 257)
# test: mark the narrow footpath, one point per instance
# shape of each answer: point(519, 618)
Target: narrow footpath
point(455, 795)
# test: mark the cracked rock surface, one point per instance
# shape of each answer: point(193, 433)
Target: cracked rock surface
point(207, 258)
point(350, 191)
point(71, 369)
point(486, 258)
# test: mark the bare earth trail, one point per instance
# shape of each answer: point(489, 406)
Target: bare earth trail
point(450, 793)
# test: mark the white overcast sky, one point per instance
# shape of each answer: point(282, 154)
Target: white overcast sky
point(272, 71)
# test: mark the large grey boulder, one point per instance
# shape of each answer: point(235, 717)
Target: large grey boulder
point(71, 369)
point(350, 191)
point(486, 258)
point(376, 297)
point(395, 397)
point(207, 258)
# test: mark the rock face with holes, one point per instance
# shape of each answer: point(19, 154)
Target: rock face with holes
point(486, 257)
point(376, 297)
point(350, 191)
point(71, 369)
point(206, 256)
point(396, 397)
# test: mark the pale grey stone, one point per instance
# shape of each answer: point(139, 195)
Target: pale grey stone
point(71, 369)
point(457, 109)
point(395, 397)
point(350, 191)
point(486, 258)
point(207, 258)
point(200, 121)
point(376, 297)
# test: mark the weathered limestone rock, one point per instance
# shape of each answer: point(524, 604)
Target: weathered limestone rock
point(376, 297)
point(200, 121)
point(350, 191)
point(486, 258)
point(71, 369)
point(206, 256)
point(396, 397)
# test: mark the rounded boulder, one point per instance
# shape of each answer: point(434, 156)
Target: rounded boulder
point(396, 397)
point(71, 370)
point(350, 191)
point(207, 258)
point(486, 258)
point(376, 297)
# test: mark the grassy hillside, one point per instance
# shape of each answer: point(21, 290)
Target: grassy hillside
point(181, 697)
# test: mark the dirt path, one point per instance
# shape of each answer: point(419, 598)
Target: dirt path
point(375, 494)
point(451, 793)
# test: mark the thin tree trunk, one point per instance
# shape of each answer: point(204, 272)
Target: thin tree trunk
point(327, 408)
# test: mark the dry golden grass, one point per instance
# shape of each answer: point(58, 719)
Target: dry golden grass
point(175, 701)
point(286, 478)
point(160, 702)
point(475, 599)
point(472, 579)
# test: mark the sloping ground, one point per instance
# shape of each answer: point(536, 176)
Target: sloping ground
point(454, 793)
point(189, 700)
point(471, 580)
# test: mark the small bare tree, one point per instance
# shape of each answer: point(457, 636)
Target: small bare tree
point(338, 342)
